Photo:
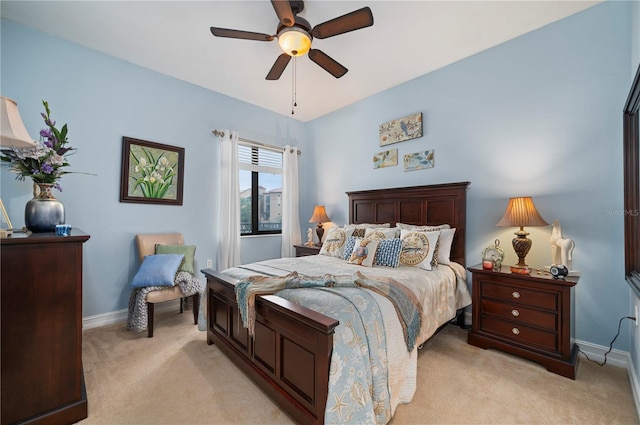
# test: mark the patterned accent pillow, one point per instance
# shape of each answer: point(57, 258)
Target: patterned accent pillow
point(380, 233)
point(388, 253)
point(348, 247)
point(364, 252)
point(335, 241)
point(359, 232)
point(361, 228)
point(418, 248)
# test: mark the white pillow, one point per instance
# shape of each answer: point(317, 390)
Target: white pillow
point(402, 226)
point(418, 248)
point(443, 253)
point(335, 241)
point(364, 252)
point(380, 233)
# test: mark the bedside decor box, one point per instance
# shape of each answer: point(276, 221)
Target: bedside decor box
point(41, 329)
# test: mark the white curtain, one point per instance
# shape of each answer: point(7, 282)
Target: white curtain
point(290, 215)
point(229, 226)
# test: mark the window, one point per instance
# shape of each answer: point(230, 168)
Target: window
point(260, 189)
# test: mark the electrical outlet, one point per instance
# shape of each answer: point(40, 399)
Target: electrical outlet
point(210, 264)
point(637, 318)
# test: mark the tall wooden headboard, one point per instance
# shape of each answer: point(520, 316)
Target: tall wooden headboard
point(420, 205)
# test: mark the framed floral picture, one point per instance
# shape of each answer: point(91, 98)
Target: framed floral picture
point(152, 173)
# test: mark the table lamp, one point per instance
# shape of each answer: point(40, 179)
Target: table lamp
point(319, 216)
point(13, 134)
point(521, 212)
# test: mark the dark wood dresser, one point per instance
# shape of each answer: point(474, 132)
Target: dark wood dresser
point(41, 301)
point(526, 315)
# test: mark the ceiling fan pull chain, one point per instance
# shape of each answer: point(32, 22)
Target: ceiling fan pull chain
point(293, 86)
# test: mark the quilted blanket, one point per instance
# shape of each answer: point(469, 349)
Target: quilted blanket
point(358, 375)
point(137, 315)
point(407, 307)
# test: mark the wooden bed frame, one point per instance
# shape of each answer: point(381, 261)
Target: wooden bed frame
point(290, 354)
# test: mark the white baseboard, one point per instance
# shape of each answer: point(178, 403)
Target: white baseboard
point(120, 316)
point(596, 352)
point(635, 385)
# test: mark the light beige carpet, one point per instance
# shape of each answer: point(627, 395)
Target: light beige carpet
point(176, 378)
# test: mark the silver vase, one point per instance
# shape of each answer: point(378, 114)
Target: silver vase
point(44, 211)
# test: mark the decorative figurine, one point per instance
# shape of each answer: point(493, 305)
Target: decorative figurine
point(309, 237)
point(561, 248)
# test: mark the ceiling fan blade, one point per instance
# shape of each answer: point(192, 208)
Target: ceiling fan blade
point(355, 20)
point(244, 35)
point(284, 12)
point(327, 63)
point(278, 67)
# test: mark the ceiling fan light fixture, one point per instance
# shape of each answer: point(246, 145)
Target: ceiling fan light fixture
point(294, 41)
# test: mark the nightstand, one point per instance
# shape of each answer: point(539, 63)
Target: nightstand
point(526, 315)
point(304, 250)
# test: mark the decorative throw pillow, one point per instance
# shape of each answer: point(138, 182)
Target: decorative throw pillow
point(443, 251)
point(364, 252)
point(361, 228)
point(157, 270)
point(189, 252)
point(380, 233)
point(418, 248)
point(348, 247)
point(335, 241)
point(388, 253)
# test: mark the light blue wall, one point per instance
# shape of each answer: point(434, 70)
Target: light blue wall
point(538, 116)
point(103, 99)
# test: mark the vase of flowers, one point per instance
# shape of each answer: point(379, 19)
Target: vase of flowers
point(44, 164)
point(44, 211)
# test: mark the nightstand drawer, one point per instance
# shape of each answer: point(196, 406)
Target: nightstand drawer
point(518, 332)
point(520, 314)
point(520, 295)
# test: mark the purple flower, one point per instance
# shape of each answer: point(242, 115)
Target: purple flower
point(45, 132)
point(50, 122)
point(57, 186)
point(43, 115)
point(48, 143)
point(46, 168)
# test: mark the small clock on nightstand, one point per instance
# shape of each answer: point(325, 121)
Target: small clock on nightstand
point(304, 250)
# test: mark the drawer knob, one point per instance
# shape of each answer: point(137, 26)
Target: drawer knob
point(515, 294)
point(515, 313)
point(515, 331)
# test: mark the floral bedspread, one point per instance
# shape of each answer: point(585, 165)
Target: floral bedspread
point(358, 388)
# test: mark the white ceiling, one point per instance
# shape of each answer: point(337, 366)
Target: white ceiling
point(408, 39)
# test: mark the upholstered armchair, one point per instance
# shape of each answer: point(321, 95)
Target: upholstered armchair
point(146, 244)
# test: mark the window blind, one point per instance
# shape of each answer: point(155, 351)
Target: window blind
point(259, 158)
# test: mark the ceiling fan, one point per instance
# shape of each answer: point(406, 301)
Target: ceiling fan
point(295, 35)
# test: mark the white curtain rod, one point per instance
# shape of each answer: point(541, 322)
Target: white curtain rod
point(264, 145)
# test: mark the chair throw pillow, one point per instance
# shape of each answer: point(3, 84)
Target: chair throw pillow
point(189, 252)
point(157, 270)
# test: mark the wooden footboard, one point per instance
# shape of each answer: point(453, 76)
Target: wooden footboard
point(288, 357)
